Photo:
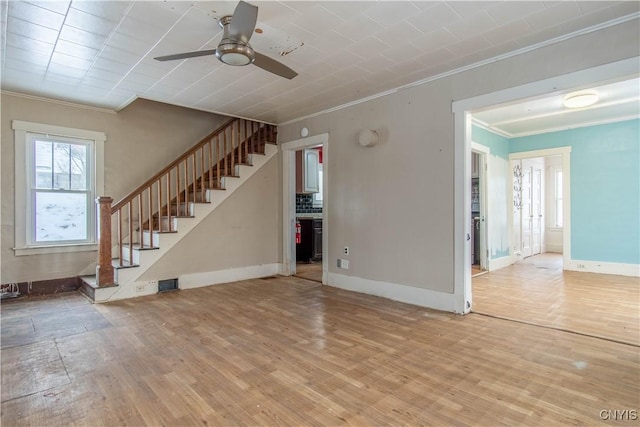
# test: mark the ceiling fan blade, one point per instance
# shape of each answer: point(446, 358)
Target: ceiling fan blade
point(273, 66)
point(243, 22)
point(186, 55)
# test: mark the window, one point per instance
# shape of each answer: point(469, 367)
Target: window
point(558, 197)
point(59, 174)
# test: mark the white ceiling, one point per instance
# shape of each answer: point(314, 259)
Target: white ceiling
point(100, 53)
point(617, 101)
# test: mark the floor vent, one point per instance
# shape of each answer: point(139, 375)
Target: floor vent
point(269, 278)
point(167, 285)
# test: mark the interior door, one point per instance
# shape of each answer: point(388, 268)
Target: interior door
point(536, 211)
point(527, 213)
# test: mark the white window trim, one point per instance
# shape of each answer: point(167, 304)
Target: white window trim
point(21, 128)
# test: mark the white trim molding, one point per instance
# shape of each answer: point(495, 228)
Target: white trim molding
point(408, 294)
point(502, 262)
point(617, 268)
point(289, 203)
point(198, 280)
point(22, 204)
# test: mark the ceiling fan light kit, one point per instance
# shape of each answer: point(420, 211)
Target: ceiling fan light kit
point(234, 48)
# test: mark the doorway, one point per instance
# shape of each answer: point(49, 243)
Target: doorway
point(478, 246)
point(289, 216)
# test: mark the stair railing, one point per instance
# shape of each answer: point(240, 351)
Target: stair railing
point(152, 207)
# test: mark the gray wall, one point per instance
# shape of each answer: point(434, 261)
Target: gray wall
point(393, 204)
point(141, 139)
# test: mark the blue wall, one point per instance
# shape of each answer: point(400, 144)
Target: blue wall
point(605, 188)
point(500, 186)
point(498, 145)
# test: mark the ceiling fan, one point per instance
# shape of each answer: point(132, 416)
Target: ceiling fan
point(234, 48)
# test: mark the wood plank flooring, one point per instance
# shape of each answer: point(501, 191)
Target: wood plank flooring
point(538, 291)
point(310, 271)
point(287, 351)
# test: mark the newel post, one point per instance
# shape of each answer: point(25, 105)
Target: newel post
point(104, 270)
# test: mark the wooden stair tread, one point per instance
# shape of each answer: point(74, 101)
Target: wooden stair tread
point(125, 264)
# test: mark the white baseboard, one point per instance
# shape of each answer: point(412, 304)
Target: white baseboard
point(498, 263)
point(198, 280)
point(403, 293)
point(621, 269)
point(556, 249)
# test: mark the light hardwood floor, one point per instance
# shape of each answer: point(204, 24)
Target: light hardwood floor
point(311, 271)
point(538, 291)
point(287, 351)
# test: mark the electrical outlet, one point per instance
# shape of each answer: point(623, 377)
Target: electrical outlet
point(346, 250)
point(141, 287)
point(343, 263)
point(582, 266)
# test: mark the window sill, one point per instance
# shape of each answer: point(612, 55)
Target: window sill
point(40, 250)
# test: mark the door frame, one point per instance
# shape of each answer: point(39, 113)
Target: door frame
point(462, 111)
point(288, 150)
point(565, 154)
point(483, 173)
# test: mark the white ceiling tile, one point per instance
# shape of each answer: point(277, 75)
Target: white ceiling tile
point(467, 9)
point(507, 11)
point(468, 46)
point(471, 26)
point(512, 30)
point(275, 14)
point(71, 61)
point(84, 21)
point(553, 15)
point(103, 75)
point(624, 8)
point(26, 43)
point(369, 47)
point(82, 37)
point(28, 29)
point(402, 53)
point(329, 41)
point(435, 57)
point(334, 46)
point(587, 20)
point(110, 10)
point(76, 50)
point(60, 7)
point(61, 69)
point(376, 62)
point(34, 14)
point(434, 40)
point(347, 9)
point(119, 55)
point(400, 31)
point(434, 18)
point(113, 66)
point(58, 79)
point(358, 27)
point(141, 30)
point(27, 56)
point(389, 13)
point(26, 66)
point(318, 20)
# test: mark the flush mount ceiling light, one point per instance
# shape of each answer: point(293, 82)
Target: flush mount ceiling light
point(580, 99)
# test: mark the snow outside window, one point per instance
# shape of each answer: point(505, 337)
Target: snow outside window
point(59, 174)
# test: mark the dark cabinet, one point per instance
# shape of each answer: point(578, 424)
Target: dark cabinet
point(310, 247)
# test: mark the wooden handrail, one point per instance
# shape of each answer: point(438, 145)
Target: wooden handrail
point(126, 199)
point(152, 207)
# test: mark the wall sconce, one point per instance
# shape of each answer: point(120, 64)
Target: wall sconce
point(368, 138)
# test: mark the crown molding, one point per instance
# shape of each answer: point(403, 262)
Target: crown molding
point(511, 54)
point(57, 101)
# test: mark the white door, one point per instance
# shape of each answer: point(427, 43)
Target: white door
point(531, 217)
point(526, 215)
point(536, 211)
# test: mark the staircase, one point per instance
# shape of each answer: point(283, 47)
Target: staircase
point(150, 220)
